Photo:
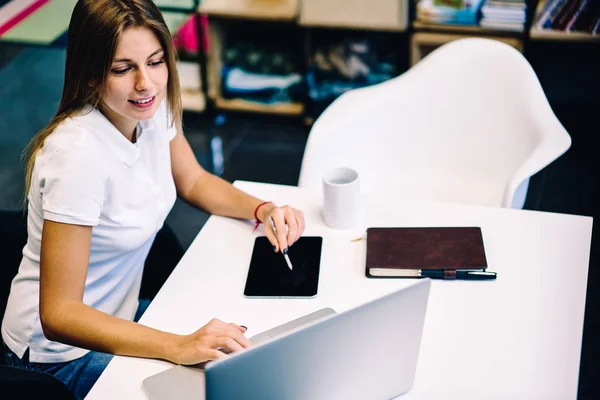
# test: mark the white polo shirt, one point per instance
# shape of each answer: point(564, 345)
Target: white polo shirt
point(88, 173)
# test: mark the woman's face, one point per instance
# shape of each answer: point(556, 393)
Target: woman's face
point(137, 81)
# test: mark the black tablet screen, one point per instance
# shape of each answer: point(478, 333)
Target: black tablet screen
point(269, 275)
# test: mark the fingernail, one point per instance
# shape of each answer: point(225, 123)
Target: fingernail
point(242, 326)
point(275, 249)
point(285, 251)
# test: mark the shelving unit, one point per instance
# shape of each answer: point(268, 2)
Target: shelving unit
point(552, 35)
point(301, 16)
point(269, 10)
point(217, 39)
point(175, 14)
point(192, 96)
point(463, 29)
point(248, 106)
point(426, 37)
point(540, 34)
point(378, 15)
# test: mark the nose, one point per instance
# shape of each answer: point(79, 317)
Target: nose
point(141, 80)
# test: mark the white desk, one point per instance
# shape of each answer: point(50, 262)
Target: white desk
point(518, 337)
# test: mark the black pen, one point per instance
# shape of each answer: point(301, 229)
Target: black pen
point(466, 275)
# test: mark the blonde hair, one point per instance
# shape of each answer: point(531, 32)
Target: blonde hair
point(94, 32)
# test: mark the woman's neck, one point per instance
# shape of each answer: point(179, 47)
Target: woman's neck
point(126, 126)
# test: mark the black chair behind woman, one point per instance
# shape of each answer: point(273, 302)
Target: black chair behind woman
point(164, 255)
point(15, 381)
point(13, 236)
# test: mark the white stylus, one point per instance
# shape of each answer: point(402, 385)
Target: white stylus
point(287, 258)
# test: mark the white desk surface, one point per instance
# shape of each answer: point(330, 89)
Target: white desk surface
point(518, 337)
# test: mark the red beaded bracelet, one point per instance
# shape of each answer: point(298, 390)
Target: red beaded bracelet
point(258, 221)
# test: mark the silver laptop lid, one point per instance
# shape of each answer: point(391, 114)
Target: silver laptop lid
point(369, 352)
point(184, 382)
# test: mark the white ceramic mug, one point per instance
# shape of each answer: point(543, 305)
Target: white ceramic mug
point(341, 198)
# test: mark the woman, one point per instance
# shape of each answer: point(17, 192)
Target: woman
point(101, 179)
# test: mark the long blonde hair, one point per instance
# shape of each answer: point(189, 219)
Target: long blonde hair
point(94, 31)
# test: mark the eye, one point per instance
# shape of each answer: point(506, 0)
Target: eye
point(157, 63)
point(120, 71)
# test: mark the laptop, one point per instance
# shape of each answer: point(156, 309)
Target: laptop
point(368, 352)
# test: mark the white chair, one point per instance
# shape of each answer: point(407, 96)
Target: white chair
point(469, 123)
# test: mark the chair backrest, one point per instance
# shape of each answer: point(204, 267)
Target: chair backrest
point(13, 237)
point(23, 383)
point(470, 123)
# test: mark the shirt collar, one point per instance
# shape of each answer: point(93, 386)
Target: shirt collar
point(146, 125)
point(95, 122)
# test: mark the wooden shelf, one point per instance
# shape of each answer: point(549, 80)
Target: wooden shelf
point(278, 10)
point(192, 97)
point(463, 29)
point(375, 15)
point(193, 100)
point(249, 106)
point(552, 35)
point(424, 42)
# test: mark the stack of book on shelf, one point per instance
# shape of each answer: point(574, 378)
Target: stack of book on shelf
point(570, 16)
point(508, 15)
point(460, 12)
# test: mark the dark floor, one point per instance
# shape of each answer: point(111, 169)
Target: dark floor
point(270, 150)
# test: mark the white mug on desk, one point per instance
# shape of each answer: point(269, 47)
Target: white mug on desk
point(341, 198)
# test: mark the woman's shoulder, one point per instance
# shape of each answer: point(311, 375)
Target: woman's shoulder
point(69, 137)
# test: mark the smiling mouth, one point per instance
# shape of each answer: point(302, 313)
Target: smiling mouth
point(143, 101)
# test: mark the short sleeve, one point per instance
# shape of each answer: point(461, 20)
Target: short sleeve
point(73, 182)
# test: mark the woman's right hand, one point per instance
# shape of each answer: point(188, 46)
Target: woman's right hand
point(204, 344)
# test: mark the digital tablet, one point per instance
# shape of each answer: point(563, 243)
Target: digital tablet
point(270, 276)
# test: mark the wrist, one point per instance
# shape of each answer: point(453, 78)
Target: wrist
point(172, 347)
point(262, 210)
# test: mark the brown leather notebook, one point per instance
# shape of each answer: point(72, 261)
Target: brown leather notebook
point(403, 252)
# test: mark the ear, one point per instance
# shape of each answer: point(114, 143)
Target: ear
point(91, 84)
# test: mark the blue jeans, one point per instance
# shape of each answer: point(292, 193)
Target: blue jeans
point(80, 374)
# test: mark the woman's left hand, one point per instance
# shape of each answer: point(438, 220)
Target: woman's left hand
point(282, 216)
